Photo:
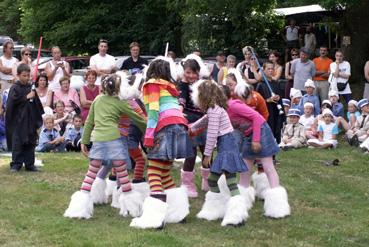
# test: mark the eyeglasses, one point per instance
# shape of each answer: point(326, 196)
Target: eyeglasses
point(27, 54)
point(294, 55)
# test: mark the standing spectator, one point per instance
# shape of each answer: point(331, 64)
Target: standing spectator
point(66, 94)
point(56, 69)
point(26, 58)
point(287, 71)
point(340, 72)
point(274, 57)
point(88, 93)
point(310, 40)
point(291, 37)
point(102, 63)
point(134, 63)
point(22, 119)
point(220, 59)
point(302, 69)
point(7, 61)
point(251, 73)
point(322, 64)
point(366, 74)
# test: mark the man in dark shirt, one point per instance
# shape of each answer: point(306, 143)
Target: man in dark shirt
point(134, 63)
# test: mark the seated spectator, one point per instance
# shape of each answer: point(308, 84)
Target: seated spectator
point(286, 105)
point(88, 93)
point(310, 97)
point(294, 132)
point(295, 96)
point(352, 113)
point(50, 139)
point(223, 72)
point(360, 132)
point(42, 88)
point(307, 119)
point(337, 107)
point(327, 132)
point(66, 94)
point(73, 135)
point(62, 117)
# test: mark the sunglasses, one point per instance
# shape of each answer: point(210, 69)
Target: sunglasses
point(293, 55)
point(27, 54)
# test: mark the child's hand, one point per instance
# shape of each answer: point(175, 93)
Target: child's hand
point(206, 162)
point(255, 147)
point(84, 150)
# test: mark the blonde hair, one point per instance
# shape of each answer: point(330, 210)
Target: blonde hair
point(47, 117)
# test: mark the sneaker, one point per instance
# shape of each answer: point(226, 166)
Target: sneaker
point(33, 169)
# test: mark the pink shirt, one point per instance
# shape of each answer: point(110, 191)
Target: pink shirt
point(245, 118)
point(71, 95)
point(218, 124)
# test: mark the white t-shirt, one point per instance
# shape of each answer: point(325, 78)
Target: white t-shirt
point(102, 62)
point(307, 121)
point(9, 63)
point(54, 84)
point(310, 41)
point(344, 67)
point(328, 130)
point(292, 33)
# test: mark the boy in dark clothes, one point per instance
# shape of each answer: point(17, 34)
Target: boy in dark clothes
point(23, 118)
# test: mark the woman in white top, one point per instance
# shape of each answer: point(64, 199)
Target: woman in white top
point(26, 56)
point(56, 69)
point(7, 62)
point(340, 72)
point(42, 88)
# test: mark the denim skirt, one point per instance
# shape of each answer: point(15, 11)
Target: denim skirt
point(269, 146)
point(171, 142)
point(110, 150)
point(228, 158)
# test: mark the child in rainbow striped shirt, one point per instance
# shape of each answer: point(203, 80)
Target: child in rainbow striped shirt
point(166, 139)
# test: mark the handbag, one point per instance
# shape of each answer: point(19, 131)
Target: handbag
point(76, 108)
point(341, 86)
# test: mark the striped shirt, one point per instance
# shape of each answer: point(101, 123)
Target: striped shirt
point(218, 124)
point(162, 107)
point(125, 122)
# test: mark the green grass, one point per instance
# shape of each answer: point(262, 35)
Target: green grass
point(330, 207)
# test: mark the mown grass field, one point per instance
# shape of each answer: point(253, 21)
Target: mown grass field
point(330, 207)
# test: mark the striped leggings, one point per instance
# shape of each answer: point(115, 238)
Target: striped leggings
point(159, 177)
point(231, 179)
point(119, 166)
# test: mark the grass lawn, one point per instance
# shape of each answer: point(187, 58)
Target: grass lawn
point(330, 207)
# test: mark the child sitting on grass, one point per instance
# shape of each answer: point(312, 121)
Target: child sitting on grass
point(73, 135)
point(310, 97)
point(352, 113)
point(327, 132)
point(337, 107)
point(360, 132)
point(50, 139)
point(294, 132)
point(307, 120)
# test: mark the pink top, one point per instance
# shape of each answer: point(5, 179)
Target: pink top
point(218, 124)
point(245, 118)
point(90, 95)
point(71, 95)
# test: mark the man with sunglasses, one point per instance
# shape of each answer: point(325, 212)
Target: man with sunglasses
point(322, 73)
point(7, 61)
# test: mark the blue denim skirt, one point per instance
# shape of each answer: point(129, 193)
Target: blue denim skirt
point(269, 146)
point(228, 157)
point(110, 150)
point(171, 142)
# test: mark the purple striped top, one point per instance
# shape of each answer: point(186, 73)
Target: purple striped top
point(218, 124)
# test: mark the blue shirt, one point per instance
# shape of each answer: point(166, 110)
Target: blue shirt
point(337, 109)
point(47, 136)
point(71, 133)
point(312, 99)
point(357, 114)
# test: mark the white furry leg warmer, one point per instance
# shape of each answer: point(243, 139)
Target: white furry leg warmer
point(80, 206)
point(276, 203)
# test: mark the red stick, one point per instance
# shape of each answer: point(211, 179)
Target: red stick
point(38, 59)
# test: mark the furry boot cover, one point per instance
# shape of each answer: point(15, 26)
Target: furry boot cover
point(214, 206)
point(110, 187)
point(115, 198)
point(131, 203)
point(143, 188)
point(276, 203)
point(98, 194)
point(261, 184)
point(178, 205)
point(80, 206)
point(236, 211)
point(205, 172)
point(187, 179)
point(153, 216)
point(249, 195)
